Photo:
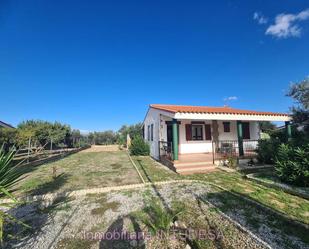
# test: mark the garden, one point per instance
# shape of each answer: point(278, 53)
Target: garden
point(110, 197)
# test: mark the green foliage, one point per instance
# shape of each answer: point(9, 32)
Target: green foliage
point(267, 150)
point(104, 137)
point(41, 133)
point(8, 137)
point(9, 176)
point(292, 164)
point(158, 220)
point(139, 147)
point(266, 126)
point(232, 162)
point(44, 133)
point(300, 93)
point(134, 130)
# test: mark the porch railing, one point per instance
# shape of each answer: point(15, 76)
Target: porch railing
point(166, 150)
point(221, 149)
point(230, 148)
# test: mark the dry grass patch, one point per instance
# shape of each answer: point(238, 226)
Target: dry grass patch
point(81, 171)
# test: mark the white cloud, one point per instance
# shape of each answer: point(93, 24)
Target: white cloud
point(260, 18)
point(230, 98)
point(286, 25)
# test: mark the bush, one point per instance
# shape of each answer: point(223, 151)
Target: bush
point(139, 147)
point(267, 150)
point(292, 164)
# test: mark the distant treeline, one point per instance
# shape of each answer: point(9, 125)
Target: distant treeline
point(119, 137)
point(54, 135)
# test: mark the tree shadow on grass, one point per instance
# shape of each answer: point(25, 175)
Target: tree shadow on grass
point(29, 167)
point(118, 237)
point(52, 185)
point(252, 216)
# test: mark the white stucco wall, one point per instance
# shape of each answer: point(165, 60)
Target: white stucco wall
point(158, 118)
point(204, 146)
point(192, 146)
point(153, 117)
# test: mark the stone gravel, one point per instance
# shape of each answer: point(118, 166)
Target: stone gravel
point(70, 219)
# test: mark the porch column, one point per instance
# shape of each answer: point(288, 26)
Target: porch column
point(175, 139)
point(240, 138)
point(288, 130)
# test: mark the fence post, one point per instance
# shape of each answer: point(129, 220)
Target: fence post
point(175, 139)
point(29, 144)
point(213, 152)
point(240, 138)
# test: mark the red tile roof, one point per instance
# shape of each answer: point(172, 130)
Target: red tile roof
point(212, 110)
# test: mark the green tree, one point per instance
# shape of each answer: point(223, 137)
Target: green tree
point(44, 133)
point(300, 93)
point(134, 130)
point(266, 126)
point(8, 137)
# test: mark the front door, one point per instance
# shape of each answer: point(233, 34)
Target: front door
point(169, 134)
point(169, 138)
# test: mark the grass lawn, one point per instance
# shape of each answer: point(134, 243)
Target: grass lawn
point(292, 206)
point(82, 170)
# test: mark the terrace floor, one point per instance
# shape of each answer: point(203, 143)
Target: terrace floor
point(194, 158)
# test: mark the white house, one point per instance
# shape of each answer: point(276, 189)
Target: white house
point(191, 138)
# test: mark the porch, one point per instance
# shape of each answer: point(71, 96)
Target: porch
point(189, 146)
point(205, 162)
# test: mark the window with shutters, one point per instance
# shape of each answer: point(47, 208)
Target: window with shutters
point(197, 132)
point(246, 130)
point(148, 132)
point(208, 132)
point(226, 127)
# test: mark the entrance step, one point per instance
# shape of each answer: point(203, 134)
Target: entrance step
point(182, 164)
point(191, 169)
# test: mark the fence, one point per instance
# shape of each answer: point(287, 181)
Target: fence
point(166, 150)
point(230, 148)
point(221, 149)
point(26, 156)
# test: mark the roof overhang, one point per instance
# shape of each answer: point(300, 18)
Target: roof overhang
point(217, 113)
point(224, 116)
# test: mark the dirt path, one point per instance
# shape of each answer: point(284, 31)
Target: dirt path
point(101, 148)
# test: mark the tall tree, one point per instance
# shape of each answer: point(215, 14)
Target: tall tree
point(300, 93)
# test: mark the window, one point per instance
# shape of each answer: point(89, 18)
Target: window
point(148, 132)
point(197, 132)
point(207, 132)
point(246, 130)
point(151, 132)
point(226, 126)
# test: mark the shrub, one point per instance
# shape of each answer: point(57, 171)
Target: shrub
point(9, 175)
point(232, 162)
point(139, 147)
point(267, 150)
point(159, 221)
point(292, 164)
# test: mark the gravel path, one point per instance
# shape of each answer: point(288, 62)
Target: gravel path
point(66, 223)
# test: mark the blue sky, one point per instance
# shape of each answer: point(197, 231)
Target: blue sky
point(98, 64)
